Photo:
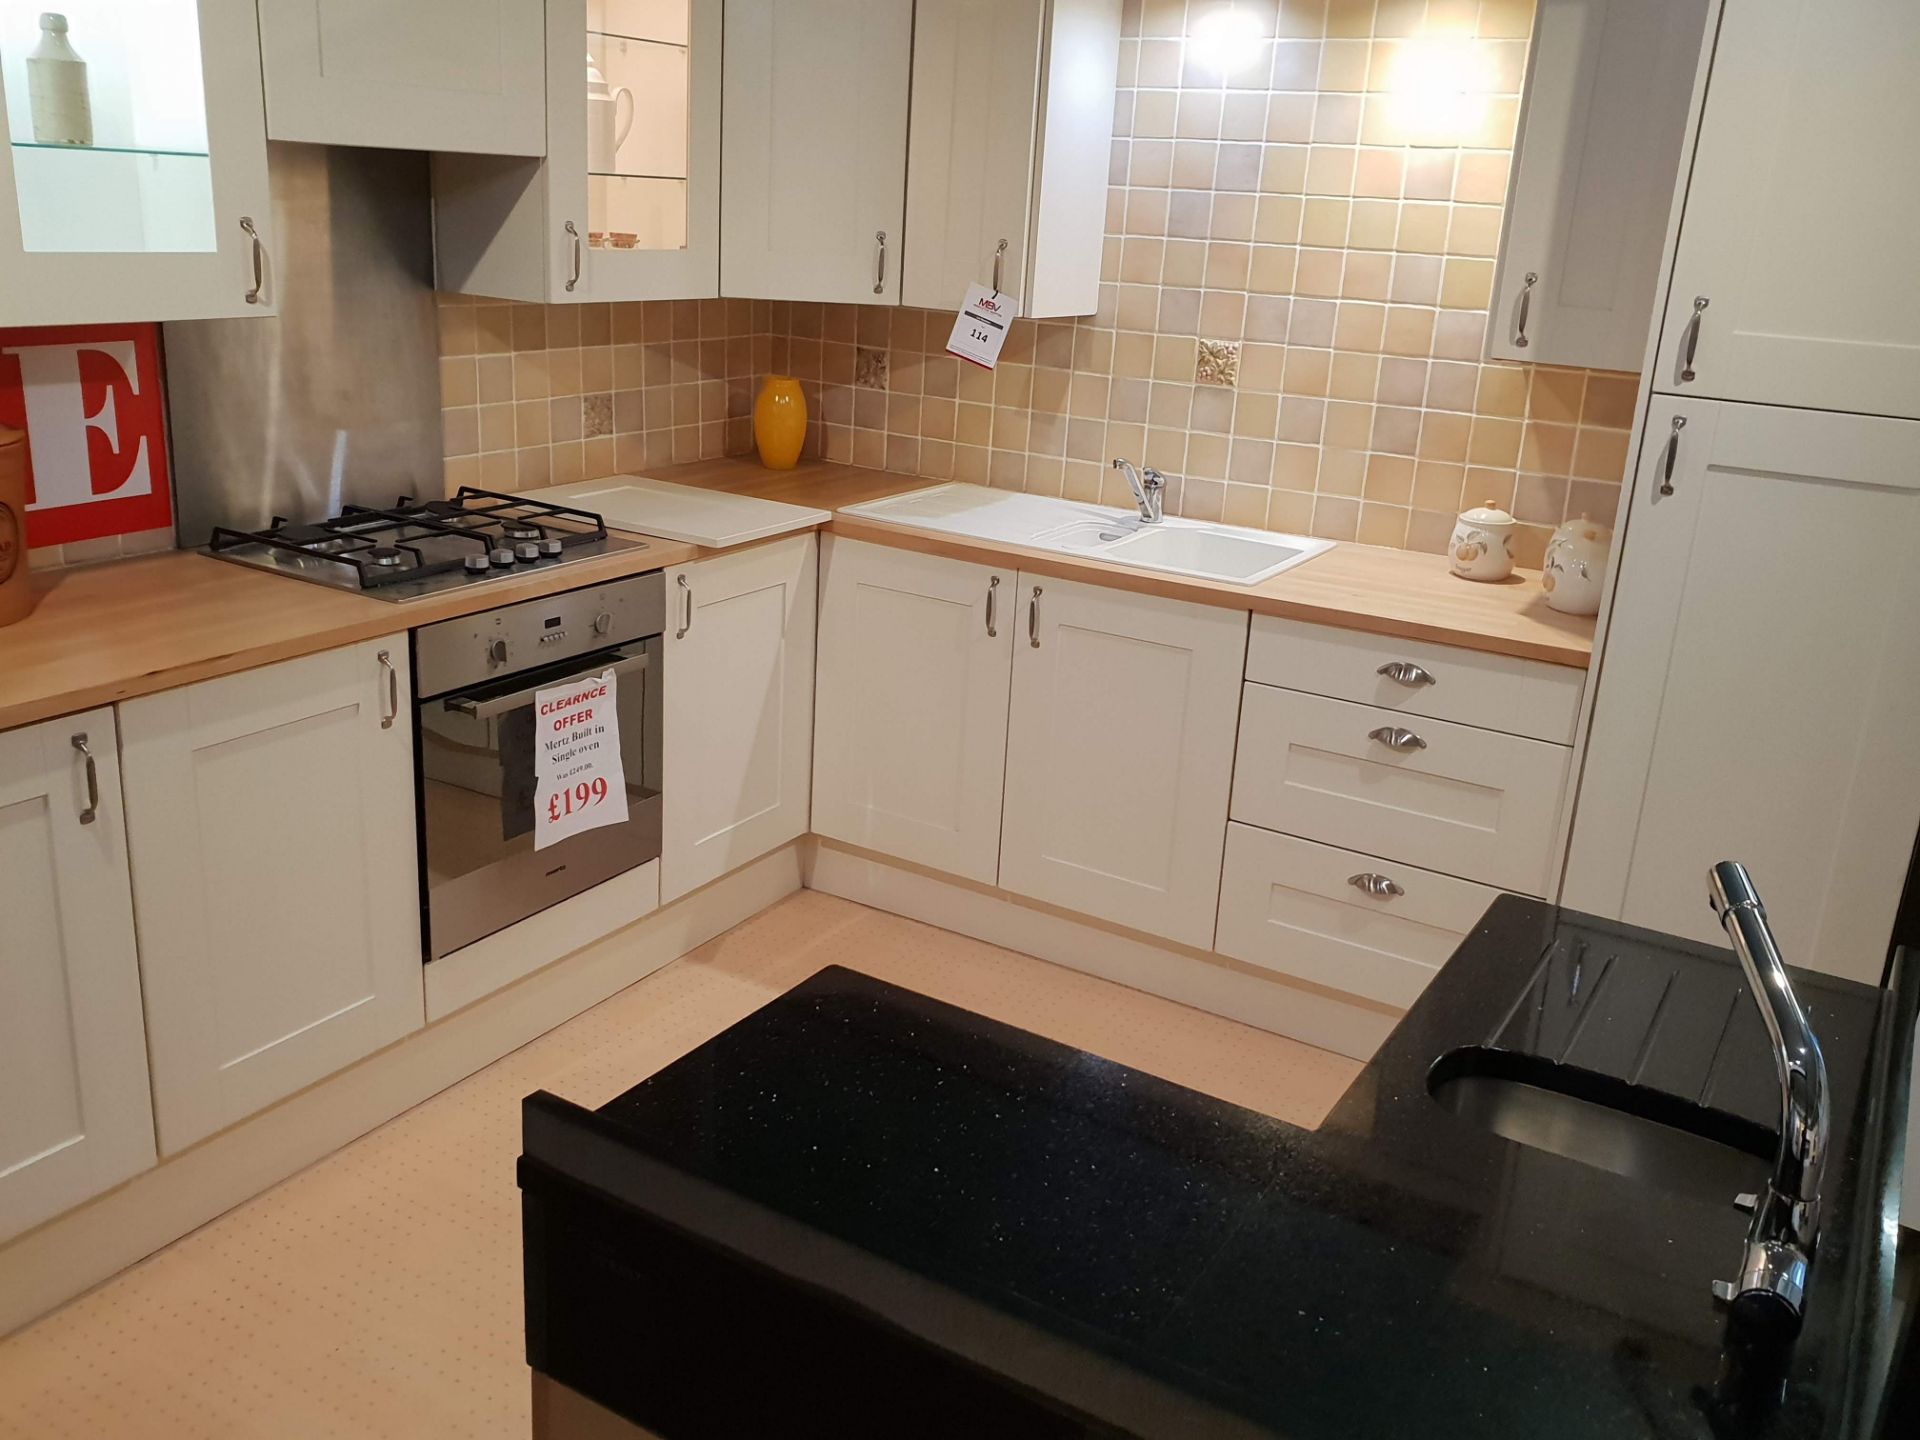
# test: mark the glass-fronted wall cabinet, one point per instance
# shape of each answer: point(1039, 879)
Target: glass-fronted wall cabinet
point(626, 203)
point(133, 180)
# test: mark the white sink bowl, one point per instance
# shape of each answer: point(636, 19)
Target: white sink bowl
point(1229, 554)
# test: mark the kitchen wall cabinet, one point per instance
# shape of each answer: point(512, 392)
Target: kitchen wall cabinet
point(451, 75)
point(737, 728)
point(910, 741)
point(270, 818)
point(163, 213)
point(77, 1118)
point(1792, 283)
point(1120, 754)
point(814, 156)
point(1012, 123)
point(626, 204)
point(1609, 87)
point(1759, 681)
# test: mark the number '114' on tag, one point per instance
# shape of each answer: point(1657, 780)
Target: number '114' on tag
point(980, 329)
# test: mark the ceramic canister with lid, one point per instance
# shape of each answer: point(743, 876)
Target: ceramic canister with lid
point(16, 590)
point(1482, 544)
point(1575, 569)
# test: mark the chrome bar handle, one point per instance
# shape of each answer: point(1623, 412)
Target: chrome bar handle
point(1673, 454)
point(1033, 619)
point(1376, 885)
point(1405, 672)
point(1395, 738)
point(686, 609)
point(880, 264)
point(999, 260)
point(574, 231)
point(993, 606)
point(1526, 301)
point(392, 712)
point(1700, 303)
point(92, 812)
point(259, 260)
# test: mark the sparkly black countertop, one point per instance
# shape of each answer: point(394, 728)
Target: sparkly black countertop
point(1157, 1262)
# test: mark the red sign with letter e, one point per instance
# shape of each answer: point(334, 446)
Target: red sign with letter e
point(91, 402)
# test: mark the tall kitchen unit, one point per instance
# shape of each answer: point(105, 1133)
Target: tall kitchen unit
point(1759, 673)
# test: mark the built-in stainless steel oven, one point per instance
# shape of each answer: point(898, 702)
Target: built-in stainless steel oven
point(476, 677)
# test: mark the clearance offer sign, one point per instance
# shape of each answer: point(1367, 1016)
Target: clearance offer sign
point(579, 780)
point(90, 399)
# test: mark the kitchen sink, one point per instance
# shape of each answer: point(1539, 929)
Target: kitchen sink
point(1236, 556)
point(1608, 1123)
point(1231, 554)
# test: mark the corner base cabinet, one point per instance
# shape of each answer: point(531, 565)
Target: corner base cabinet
point(76, 1118)
point(737, 721)
point(270, 816)
point(916, 663)
point(1120, 754)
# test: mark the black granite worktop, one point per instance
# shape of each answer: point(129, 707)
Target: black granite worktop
point(955, 1201)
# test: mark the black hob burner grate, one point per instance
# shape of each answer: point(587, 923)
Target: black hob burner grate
point(475, 532)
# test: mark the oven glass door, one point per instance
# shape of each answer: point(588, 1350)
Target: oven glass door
point(477, 800)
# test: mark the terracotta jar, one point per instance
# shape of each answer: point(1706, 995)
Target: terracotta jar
point(780, 422)
point(16, 591)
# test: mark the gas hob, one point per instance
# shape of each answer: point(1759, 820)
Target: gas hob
point(415, 549)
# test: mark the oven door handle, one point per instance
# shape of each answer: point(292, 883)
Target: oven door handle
point(621, 664)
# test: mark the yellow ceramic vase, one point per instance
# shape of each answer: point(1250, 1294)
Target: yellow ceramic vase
point(780, 422)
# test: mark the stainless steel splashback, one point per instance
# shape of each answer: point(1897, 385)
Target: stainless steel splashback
point(336, 400)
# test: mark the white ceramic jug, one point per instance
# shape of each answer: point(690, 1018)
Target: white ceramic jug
point(605, 127)
point(1482, 544)
point(1575, 570)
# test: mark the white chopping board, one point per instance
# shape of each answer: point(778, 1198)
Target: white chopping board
point(681, 512)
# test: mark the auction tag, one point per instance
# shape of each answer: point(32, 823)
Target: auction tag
point(579, 781)
point(980, 329)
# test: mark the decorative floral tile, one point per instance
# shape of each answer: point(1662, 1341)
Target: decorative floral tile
point(596, 414)
point(1218, 363)
point(870, 369)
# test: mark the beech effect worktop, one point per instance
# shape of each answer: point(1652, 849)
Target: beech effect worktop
point(104, 633)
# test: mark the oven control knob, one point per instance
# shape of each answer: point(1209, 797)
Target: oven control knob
point(501, 556)
point(603, 622)
point(478, 562)
point(528, 550)
point(496, 652)
point(550, 546)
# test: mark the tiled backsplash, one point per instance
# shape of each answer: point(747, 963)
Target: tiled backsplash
point(1298, 264)
point(547, 394)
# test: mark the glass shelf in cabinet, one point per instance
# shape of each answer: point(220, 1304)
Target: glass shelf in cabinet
point(162, 153)
point(638, 39)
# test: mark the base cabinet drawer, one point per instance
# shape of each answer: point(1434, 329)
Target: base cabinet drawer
point(1374, 928)
point(1495, 692)
point(1463, 801)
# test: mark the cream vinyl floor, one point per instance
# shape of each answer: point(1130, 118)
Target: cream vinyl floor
point(377, 1294)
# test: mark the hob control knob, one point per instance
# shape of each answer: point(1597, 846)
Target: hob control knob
point(478, 561)
point(550, 546)
point(528, 549)
point(501, 556)
point(603, 622)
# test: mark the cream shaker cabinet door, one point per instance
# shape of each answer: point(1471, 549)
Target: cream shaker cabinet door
point(737, 727)
point(814, 149)
point(1120, 754)
point(1793, 281)
point(971, 148)
point(1609, 86)
point(162, 213)
point(270, 817)
point(910, 735)
point(446, 75)
point(1759, 681)
point(77, 1118)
